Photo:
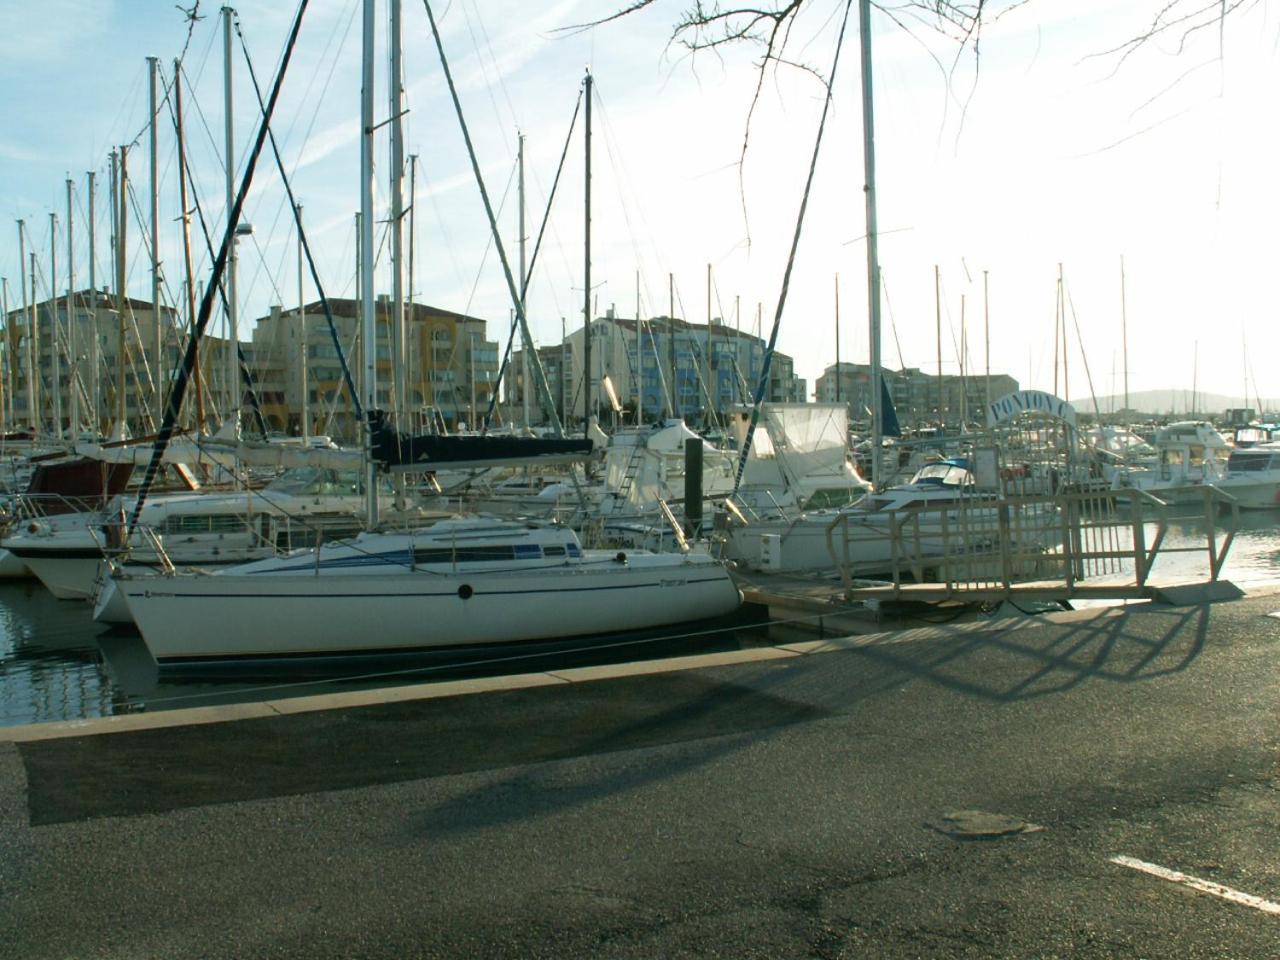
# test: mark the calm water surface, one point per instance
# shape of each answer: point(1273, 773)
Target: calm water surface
point(57, 664)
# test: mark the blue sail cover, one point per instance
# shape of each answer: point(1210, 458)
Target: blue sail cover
point(888, 415)
point(397, 451)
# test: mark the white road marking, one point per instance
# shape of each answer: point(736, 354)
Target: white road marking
point(1204, 886)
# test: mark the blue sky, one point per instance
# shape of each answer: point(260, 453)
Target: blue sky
point(1053, 154)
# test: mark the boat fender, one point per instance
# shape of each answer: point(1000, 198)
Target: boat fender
point(465, 591)
point(620, 558)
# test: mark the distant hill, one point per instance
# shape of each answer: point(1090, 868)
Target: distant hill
point(1172, 401)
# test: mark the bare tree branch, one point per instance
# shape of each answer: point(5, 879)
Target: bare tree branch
point(713, 25)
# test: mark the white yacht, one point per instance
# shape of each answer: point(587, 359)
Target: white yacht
point(1252, 476)
point(883, 530)
point(1185, 456)
point(67, 553)
point(457, 583)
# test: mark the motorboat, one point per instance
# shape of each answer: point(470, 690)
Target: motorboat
point(57, 486)
point(302, 506)
point(1187, 456)
point(460, 582)
point(1252, 476)
point(940, 513)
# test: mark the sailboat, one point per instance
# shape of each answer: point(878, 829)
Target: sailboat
point(460, 582)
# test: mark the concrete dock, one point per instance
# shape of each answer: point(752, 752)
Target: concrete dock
point(793, 801)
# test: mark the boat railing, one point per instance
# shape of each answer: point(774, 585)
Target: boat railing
point(676, 528)
point(1058, 544)
point(34, 505)
point(154, 542)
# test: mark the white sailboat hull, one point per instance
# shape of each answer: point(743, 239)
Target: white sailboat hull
point(241, 616)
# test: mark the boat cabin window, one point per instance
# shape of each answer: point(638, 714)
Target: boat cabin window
point(1248, 460)
point(202, 523)
point(831, 497)
point(492, 553)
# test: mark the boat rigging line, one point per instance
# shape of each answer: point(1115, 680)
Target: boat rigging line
point(302, 234)
point(564, 153)
point(535, 361)
point(179, 388)
point(1083, 356)
point(762, 385)
point(246, 376)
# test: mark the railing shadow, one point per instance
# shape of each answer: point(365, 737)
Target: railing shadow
point(1030, 664)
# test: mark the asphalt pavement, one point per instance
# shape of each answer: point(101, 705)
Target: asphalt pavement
point(808, 801)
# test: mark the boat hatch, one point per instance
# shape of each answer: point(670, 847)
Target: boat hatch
point(944, 474)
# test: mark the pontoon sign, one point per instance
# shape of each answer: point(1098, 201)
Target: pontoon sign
point(1029, 401)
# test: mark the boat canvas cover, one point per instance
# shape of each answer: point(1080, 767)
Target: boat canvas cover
point(809, 438)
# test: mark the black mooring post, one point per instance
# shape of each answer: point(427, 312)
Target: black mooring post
point(693, 485)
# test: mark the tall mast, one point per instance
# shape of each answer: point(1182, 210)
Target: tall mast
point(588, 392)
point(7, 380)
point(639, 375)
point(368, 323)
point(157, 364)
point(6, 405)
point(671, 341)
point(303, 349)
point(524, 279)
point(186, 241)
point(986, 336)
point(471, 377)
point(55, 325)
point(395, 96)
point(73, 421)
point(30, 325)
point(409, 365)
point(964, 368)
point(706, 360)
point(864, 22)
point(937, 315)
point(1062, 297)
point(233, 331)
point(837, 338)
point(35, 337)
point(122, 230)
point(95, 419)
point(1244, 370)
point(1124, 339)
point(1057, 319)
point(1195, 375)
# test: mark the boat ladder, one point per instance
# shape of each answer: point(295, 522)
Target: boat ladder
point(629, 472)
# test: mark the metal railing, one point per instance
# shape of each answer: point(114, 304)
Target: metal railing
point(990, 544)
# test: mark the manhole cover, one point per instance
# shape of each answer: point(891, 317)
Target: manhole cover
point(978, 824)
